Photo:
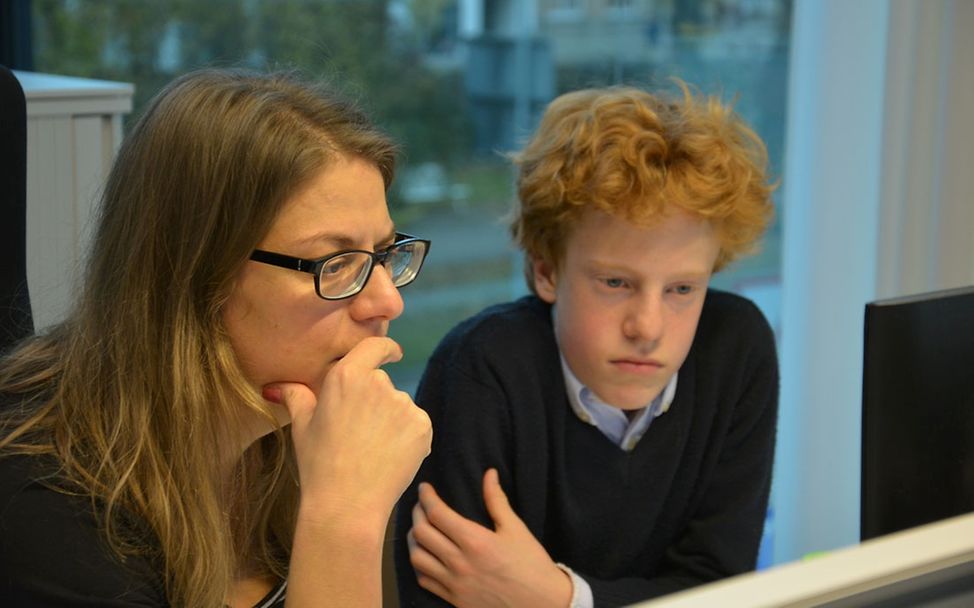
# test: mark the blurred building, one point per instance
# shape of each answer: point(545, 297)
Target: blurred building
point(518, 54)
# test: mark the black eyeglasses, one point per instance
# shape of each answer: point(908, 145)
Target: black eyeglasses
point(345, 273)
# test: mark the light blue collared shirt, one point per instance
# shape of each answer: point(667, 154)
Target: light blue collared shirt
point(614, 424)
point(613, 421)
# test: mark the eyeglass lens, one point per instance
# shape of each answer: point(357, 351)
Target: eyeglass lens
point(346, 274)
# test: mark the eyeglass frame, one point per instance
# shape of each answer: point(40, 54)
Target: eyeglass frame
point(313, 267)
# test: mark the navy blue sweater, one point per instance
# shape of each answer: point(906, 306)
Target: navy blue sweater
point(685, 507)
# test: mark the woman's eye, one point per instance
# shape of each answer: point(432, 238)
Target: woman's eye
point(336, 266)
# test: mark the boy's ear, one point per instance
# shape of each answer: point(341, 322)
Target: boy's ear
point(545, 279)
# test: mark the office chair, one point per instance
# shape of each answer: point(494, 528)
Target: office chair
point(15, 314)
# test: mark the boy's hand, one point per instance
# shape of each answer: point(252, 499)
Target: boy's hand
point(471, 566)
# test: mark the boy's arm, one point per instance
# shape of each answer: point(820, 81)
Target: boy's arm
point(471, 565)
point(470, 435)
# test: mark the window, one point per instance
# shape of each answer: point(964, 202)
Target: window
point(457, 81)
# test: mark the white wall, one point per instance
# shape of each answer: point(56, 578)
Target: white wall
point(927, 236)
point(878, 202)
point(74, 127)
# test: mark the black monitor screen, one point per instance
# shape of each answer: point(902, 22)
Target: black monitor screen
point(918, 411)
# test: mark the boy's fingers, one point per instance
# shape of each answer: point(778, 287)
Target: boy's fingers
point(442, 517)
point(498, 506)
point(419, 517)
point(428, 498)
point(430, 538)
point(434, 586)
point(424, 559)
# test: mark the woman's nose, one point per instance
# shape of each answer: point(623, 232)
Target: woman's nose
point(379, 298)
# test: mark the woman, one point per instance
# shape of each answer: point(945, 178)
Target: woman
point(142, 455)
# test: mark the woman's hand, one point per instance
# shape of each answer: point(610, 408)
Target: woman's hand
point(360, 441)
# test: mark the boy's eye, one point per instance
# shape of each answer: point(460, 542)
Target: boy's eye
point(683, 290)
point(614, 283)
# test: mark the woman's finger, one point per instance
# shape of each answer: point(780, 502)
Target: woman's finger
point(298, 399)
point(371, 353)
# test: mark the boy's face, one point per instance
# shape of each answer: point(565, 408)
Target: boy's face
point(628, 299)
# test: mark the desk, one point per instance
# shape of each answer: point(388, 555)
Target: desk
point(930, 565)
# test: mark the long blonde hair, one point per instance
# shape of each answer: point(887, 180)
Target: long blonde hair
point(138, 391)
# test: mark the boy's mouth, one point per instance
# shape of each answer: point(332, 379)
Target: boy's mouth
point(637, 366)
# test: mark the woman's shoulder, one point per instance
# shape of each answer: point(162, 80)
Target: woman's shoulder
point(52, 550)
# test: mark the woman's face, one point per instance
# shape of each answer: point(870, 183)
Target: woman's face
point(279, 327)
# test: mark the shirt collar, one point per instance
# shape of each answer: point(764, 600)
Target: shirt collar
point(612, 421)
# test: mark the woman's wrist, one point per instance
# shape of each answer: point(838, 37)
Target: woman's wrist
point(336, 518)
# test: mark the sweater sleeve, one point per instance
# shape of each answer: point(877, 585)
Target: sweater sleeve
point(52, 552)
point(470, 435)
point(723, 532)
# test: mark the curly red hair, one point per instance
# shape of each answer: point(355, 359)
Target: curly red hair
point(640, 156)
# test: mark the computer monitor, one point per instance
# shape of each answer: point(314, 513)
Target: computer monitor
point(930, 566)
point(917, 410)
point(917, 476)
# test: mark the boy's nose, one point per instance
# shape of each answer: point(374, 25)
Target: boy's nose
point(644, 321)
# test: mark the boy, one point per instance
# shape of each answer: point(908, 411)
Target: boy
point(627, 411)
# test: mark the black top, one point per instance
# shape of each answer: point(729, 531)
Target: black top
point(53, 552)
point(684, 507)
